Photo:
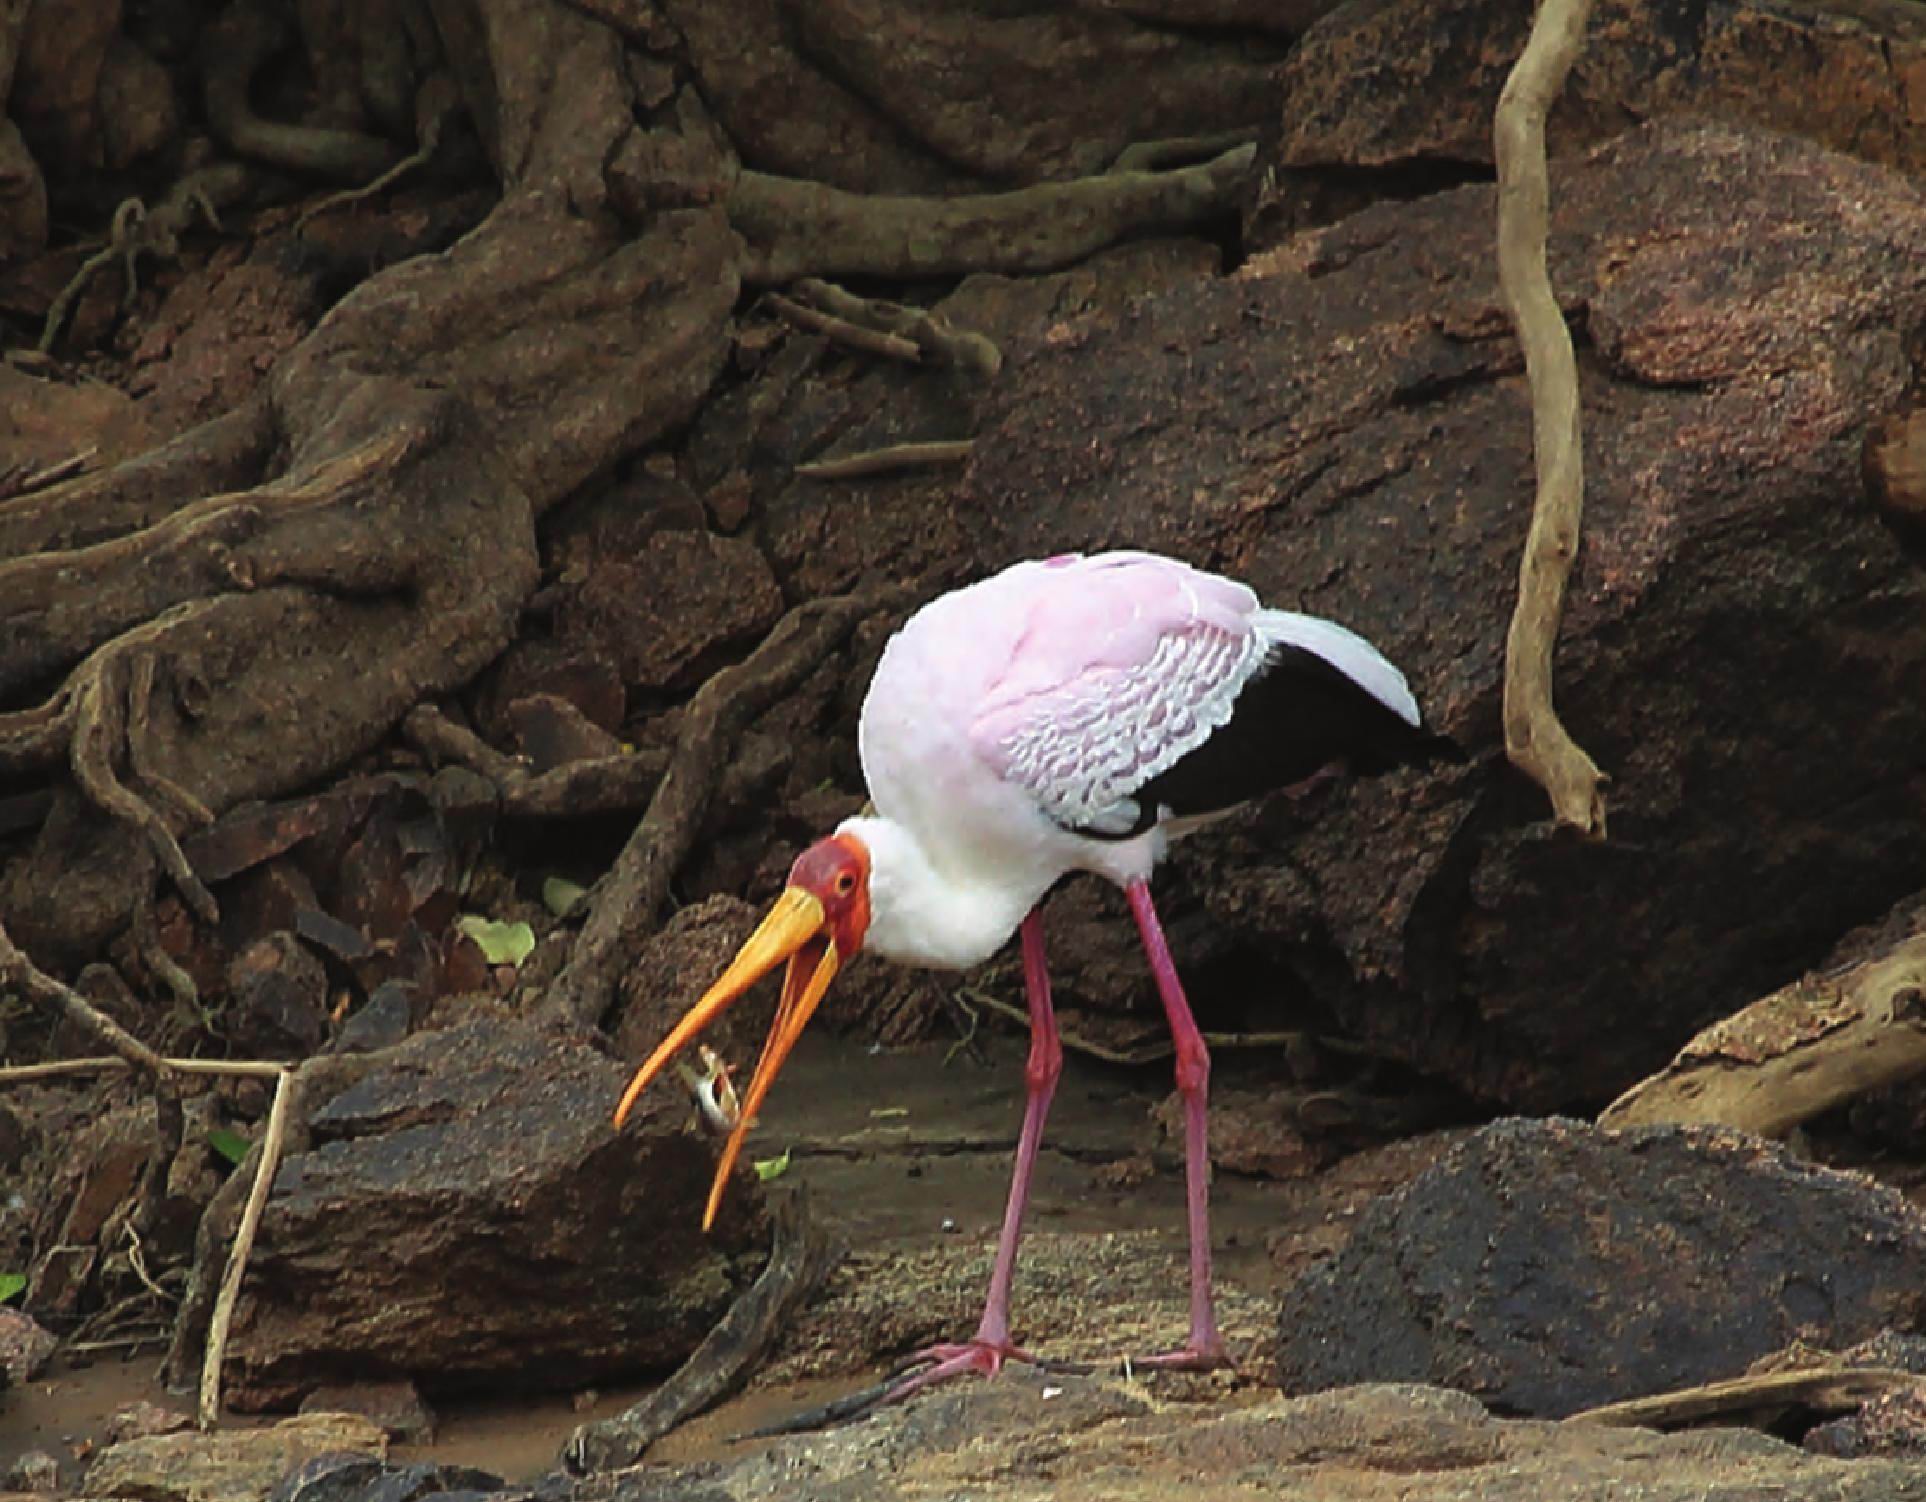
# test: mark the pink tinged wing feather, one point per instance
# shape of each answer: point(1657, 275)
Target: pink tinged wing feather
point(1125, 665)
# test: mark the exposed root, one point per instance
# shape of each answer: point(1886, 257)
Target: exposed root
point(1177, 151)
point(135, 230)
point(798, 229)
point(842, 331)
point(934, 337)
point(153, 954)
point(25, 479)
point(1535, 738)
point(628, 898)
point(435, 107)
point(99, 732)
point(885, 461)
point(803, 1255)
point(601, 785)
point(239, 42)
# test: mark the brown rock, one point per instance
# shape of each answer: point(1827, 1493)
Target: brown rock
point(457, 1168)
point(665, 613)
point(236, 1465)
point(397, 1407)
point(1412, 84)
point(23, 198)
point(1029, 96)
point(138, 111)
point(1739, 343)
point(97, 1176)
point(45, 421)
point(57, 80)
point(141, 1419)
point(25, 1348)
point(279, 998)
point(552, 732)
point(1548, 1267)
point(670, 973)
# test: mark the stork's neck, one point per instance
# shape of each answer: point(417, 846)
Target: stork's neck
point(948, 917)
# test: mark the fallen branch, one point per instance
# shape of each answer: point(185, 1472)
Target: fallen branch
point(797, 229)
point(1793, 1054)
point(267, 1159)
point(886, 461)
point(24, 978)
point(1822, 1390)
point(1535, 739)
point(628, 898)
point(800, 1258)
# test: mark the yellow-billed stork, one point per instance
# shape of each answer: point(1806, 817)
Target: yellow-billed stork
point(1073, 714)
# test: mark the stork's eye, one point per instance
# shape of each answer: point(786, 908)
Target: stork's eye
point(845, 883)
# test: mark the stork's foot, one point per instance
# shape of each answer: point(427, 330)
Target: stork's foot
point(939, 1363)
point(1197, 1356)
point(925, 1368)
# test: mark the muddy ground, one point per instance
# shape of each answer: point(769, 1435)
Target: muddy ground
point(911, 1172)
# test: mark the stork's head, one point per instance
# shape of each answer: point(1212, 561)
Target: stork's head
point(816, 925)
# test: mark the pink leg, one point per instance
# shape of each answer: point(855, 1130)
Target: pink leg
point(990, 1347)
point(1206, 1347)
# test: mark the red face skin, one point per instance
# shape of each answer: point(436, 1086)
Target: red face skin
point(835, 871)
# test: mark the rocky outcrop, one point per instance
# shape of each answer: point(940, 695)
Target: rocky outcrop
point(464, 1216)
point(1346, 426)
point(1547, 1267)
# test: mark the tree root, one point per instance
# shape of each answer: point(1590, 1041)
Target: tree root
point(24, 479)
point(933, 337)
point(802, 1255)
point(625, 902)
point(798, 229)
point(1796, 1053)
point(436, 105)
point(238, 44)
point(602, 785)
point(135, 230)
point(1535, 739)
point(885, 461)
point(100, 731)
point(843, 331)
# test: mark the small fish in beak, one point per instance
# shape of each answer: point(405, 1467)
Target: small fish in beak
point(714, 1092)
point(816, 924)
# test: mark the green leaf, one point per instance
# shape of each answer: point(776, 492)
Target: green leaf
point(230, 1144)
point(10, 1286)
point(772, 1168)
point(561, 896)
point(500, 943)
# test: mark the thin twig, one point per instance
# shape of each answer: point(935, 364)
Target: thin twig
point(887, 460)
point(1535, 739)
point(22, 1074)
point(21, 975)
point(268, 1160)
